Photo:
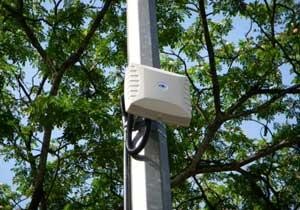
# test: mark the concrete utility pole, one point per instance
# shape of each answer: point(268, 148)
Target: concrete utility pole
point(148, 176)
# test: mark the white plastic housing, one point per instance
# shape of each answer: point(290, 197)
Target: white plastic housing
point(158, 95)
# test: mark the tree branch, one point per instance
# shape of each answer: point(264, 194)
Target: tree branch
point(23, 88)
point(18, 15)
point(209, 204)
point(211, 57)
point(38, 191)
point(74, 57)
point(255, 90)
point(89, 76)
point(179, 206)
point(257, 192)
point(192, 168)
point(41, 86)
point(185, 70)
point(234, 166)
point(281, 47)
point(54, 177)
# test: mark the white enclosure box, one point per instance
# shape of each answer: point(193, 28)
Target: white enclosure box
point(158, 95)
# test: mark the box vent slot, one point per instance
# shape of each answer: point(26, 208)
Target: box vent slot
point(133, 83)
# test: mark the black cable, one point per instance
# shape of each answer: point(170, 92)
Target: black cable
point(127, 181)
point(127, 165)
point(134, 146)
point(131, 146)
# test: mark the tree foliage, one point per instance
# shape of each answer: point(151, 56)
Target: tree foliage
point(61, 74)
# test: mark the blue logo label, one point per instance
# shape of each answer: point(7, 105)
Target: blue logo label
point(163, 86)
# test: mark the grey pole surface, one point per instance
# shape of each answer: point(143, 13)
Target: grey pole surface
point(150, 176)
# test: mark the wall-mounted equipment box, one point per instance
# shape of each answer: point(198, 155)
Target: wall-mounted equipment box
point(158, 95)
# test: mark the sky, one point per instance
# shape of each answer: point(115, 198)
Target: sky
point(6, 175)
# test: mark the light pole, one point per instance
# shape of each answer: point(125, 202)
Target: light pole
point(146, 176)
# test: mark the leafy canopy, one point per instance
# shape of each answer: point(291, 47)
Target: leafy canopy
point(61, 73)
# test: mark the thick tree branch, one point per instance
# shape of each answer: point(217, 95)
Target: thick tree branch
point(212, 128)
point(74, 57)
point(233, 166)
point(211, 57)
point(295, 89)
point(38, 192)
